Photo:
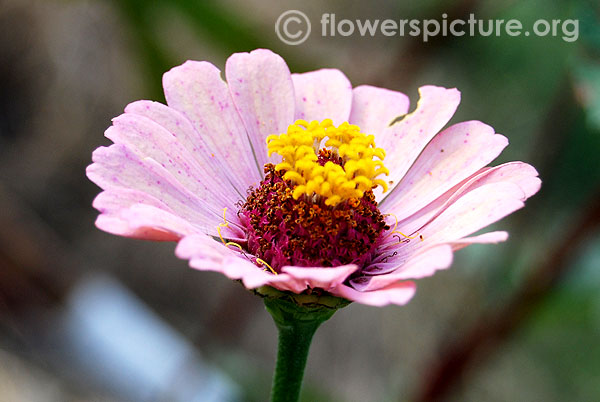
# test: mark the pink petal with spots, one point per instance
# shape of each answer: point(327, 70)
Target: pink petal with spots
point(374, 109)
point(452, 156)
point(404, 141)
point(197, 91)
point(263, 93)
point(323, 94)
point(118, 167)
point(212, 165)
point(150, 140)
point(397, 293)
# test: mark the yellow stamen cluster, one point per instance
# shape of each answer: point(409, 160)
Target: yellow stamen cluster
point(299, 149)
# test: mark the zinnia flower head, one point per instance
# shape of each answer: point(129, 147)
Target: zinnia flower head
point(303, 183)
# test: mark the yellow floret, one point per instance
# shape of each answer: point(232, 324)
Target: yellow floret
point(299, 148)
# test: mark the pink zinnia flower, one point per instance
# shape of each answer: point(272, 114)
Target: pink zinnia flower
point(274, 178)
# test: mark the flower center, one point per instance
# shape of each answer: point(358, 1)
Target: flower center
point(316, 207)
point(348, 173)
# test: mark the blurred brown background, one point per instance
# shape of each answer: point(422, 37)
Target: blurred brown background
point(86, 316)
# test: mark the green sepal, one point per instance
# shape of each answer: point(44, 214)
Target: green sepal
point(310, 301)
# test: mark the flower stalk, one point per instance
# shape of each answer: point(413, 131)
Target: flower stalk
point(297, 318)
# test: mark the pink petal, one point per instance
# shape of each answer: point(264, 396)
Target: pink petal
point(397, 293)
point(471, 212)
point(324, 278)
point(200, 147)
point(519, 173)
point(323, 94)
point(115, 199)
point(522, 174)
point(197, 91)
point(145, 222)
point(150, 140)
point(404, 141)
point(120, 227)
point(263, 93)
point(112, 204)
point(206, 254)
point(118, 167)
point(374, 109)
point(485, 238)
point(420, 265)
point(136, 214)
point(452, 156)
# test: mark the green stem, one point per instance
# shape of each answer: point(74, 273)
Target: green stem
point(297, 325)
point(292, 353)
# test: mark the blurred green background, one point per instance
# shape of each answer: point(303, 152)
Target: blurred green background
point(514, 322)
